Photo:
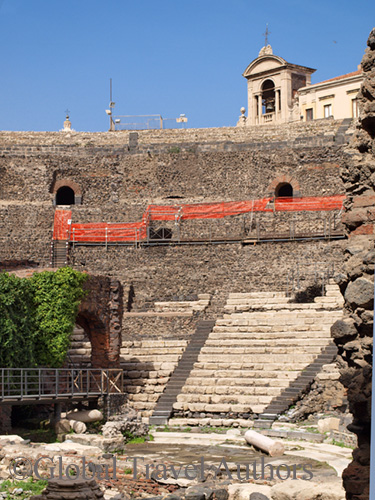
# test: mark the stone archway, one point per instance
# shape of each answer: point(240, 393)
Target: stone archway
point(100, 315)
point(268, 97)
point(284, 180)
point(284, 190)
point(65, 187)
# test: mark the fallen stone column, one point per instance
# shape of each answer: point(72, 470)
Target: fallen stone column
point(264, 443)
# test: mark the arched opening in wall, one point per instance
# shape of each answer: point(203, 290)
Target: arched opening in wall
point(65, 196)
point(268, 97)
point(284, 190)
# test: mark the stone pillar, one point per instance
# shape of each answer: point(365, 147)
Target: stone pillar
point(354, 334)
point(277, 113)
point(254, 119)
point(260, 108)
point(285, 92)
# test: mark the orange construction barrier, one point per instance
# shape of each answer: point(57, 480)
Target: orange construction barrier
point(137, 231)
point(61, 224)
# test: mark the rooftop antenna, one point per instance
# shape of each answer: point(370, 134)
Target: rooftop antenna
point(265, 34)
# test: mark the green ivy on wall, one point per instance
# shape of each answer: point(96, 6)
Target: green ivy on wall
point(37, 317)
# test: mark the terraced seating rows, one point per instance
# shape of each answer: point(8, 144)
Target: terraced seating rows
point(147, 367)
point(257, 350)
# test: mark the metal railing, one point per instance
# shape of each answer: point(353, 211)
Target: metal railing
point(20, 384)
point(244, 227)
point(147, 122)
point(313, 273)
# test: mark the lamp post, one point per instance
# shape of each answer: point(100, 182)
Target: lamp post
point(111, 106)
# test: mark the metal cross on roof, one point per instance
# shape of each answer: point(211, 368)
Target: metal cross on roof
point(266, 36)
point(67, 113)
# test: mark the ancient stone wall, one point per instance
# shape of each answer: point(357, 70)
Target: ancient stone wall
point(40, 142)
point(116, 183)
point(175, 272)
point(354, 335)
point(100, 315)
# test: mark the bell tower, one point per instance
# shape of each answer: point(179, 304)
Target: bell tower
point(272, 84)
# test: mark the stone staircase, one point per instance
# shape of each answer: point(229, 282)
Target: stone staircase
point(79, 353)
point(256, 351)
point(148, 365)
point(59, 254)
point(340, 137)
point(164, 406)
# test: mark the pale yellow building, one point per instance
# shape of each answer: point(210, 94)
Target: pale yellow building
point(281, 92)
point(335, 98)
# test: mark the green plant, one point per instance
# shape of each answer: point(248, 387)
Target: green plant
point(131, 439)
point(136, 440)
point(37, 317)
point(56, 297)
point(164, 429)
point(30, 487)
point(174, 149)
point(341, 444)
point(311, 429)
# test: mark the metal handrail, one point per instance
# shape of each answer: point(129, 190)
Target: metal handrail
point(21, 384)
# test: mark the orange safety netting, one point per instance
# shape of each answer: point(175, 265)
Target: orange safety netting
point(136, 231)
point(61, 224)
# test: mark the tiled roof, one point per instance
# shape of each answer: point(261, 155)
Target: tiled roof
point(341, 77)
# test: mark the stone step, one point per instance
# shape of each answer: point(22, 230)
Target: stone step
point(289, 307)
point(290, 323)
point(256, 301)
point(275, 349)
point(262, 336)
point(153, 351)
point(259, 378)
point(79, 352)
point(281, 359)
point(250, 295)
point(221, 408)
point(185, 365)
point(154, 343)
point(227, 368)
point(77, 337)
point(80, 344)
point(149, 357)
point(233, 390)
point(221, 399)
point(234, 342)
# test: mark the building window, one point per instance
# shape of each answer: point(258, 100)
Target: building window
point(327, 110)
point(309, 114)
point(355, 109)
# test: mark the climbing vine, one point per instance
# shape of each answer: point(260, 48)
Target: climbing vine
point(37, 317)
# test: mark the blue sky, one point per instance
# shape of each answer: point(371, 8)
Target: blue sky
point(165, 57)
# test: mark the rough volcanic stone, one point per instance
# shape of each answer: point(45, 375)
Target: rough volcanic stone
point(258, 496)
point(343, 330)
point(360, 293)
